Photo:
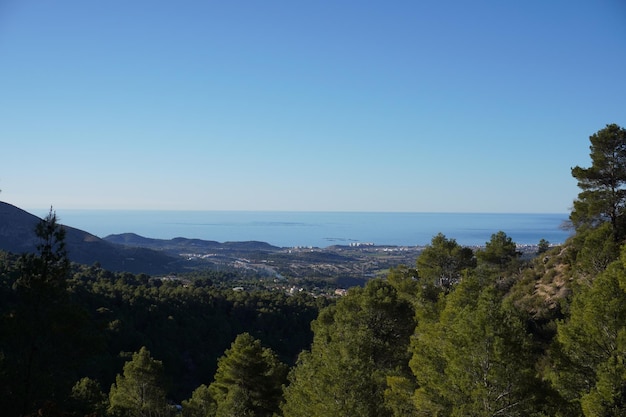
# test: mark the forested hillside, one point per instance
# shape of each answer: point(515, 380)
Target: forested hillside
point(61, 323)
point(461, 332)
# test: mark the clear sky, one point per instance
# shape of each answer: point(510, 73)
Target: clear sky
point(437, 106)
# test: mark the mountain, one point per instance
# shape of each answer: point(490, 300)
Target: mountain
point(181, 244)
point(17, 235)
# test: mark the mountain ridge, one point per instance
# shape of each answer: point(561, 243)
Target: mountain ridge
point(135, 240)
point(17, 235)
point(125, 252)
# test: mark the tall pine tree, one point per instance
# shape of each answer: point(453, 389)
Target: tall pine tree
point(42, 334)
point(248, 380)
point(139, 390)
point(603, 184)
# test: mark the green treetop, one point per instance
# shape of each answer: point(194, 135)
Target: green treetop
point(139, 391)
point(499, 253)
point(603, 184)
point(443, 261)
point(248, 380)
point(358, 344)
point(476, 360)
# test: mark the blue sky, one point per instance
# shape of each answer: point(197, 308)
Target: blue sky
point(435, 106)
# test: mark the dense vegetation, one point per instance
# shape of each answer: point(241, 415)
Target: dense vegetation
point(60, 323)
point(462, 333)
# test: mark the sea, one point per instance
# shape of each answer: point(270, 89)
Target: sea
point(319, 229)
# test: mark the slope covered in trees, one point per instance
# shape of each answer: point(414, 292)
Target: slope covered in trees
point(461, 333)
point(61, 323)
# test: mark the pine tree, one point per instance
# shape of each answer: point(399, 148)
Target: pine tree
point(357, 345)
point(590, 353)
point(44, 274)
point(44, 340)
point(499, 252)
point(249, 379)
point(603, 184)
point(201, 403)
point(476, 359)
point(443, 261)
point(139, 392)
point(87, 398)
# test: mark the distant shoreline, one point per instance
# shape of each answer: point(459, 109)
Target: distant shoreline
point(320, 229)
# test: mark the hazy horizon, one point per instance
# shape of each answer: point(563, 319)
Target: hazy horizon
point(134, 210)
point(297, 228)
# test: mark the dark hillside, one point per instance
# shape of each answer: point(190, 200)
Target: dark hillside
point(17, 229)
point(17, 235)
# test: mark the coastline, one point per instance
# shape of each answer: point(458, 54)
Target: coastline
point(320, 229)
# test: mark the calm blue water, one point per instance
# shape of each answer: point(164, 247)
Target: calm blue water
point(319, 229)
